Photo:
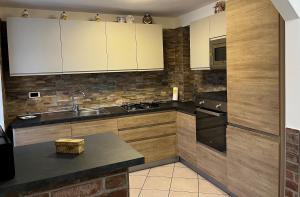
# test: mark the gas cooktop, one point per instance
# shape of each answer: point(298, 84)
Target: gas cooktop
point(140, 106)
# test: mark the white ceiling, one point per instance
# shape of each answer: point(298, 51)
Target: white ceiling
point(155, 7)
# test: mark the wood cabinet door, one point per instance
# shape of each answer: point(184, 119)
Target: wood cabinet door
point(199, 44)
point(156, 149)
point(212, 163)
point(38, 134)
point(34, 46)
point(121, 46)
point(149, 40)
point(83, 46)
point(217, 25)
point(149, 119)
point(186, 137)
point(253, 64)
point(93, 127)
point(252, 163)
point(148, 132)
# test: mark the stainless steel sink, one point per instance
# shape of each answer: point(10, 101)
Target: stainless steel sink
point(92, 112)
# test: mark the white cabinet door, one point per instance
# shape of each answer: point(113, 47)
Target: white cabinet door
point(149, 47)
point(34, 46)
point(199, 44)
point(83, 46)
point(121, 46)
point(217, 25)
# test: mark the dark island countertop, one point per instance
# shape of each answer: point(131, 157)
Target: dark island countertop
point(38, 165)
point(68, 116)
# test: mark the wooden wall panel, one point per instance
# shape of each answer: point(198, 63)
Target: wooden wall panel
point(253, 64)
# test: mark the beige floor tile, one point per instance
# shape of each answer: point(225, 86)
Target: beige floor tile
point(184, 173)
point(208, 188)
point(154, 193)
point(134, 192)
point(136, 182)
point(182, 194)
point(157, 183)
point(201, 177)
point(161, 171)
point(169, 165)
point(184, 185)
point(140, 173)
point(180, 165)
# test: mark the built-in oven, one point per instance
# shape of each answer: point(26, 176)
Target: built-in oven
point(218, 54)
point(211, 123)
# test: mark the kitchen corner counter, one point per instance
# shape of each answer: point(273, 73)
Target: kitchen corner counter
point(68, 116)
point(38, 166)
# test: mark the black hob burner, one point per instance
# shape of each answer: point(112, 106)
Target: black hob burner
point(140, 106)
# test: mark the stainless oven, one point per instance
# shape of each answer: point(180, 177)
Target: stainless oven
point(211, 120)
point(218, 53)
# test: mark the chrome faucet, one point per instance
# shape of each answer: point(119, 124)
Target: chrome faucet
point(75, 107)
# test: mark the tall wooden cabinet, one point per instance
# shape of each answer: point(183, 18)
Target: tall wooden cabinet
point(254, 98)
point(252, 164)
point(253, 65)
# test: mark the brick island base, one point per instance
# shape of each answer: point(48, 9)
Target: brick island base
point(114, 184)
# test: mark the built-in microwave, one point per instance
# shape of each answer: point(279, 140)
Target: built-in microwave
point(218, 53)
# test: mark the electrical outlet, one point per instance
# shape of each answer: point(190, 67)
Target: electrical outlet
point(34, 95)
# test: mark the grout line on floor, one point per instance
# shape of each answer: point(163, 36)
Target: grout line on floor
point(171, 180)
point(144, 182)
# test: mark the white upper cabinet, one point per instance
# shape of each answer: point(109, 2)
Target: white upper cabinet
point(149, 40)
point(199, 44)
point(83, 46)
point(217, 25)
point(121, 46)
point(34, 46)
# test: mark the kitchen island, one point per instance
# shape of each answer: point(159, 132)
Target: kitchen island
point(102, 170)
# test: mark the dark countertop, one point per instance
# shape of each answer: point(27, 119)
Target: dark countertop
point(62, 117)
point(38, 165)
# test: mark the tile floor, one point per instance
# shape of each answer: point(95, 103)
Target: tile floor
point(172, 180)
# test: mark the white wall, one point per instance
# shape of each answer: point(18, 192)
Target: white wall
point(293, 74)
point(289, 9)
point(192, 16)
point(166, 22)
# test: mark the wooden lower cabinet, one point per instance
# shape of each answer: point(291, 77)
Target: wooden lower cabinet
point(148, 132)
point(156, 149)
point(93, 127)
point(186, 137)
point(252, 163)
point(148, 119)
point(38, 134)
point(212, 163)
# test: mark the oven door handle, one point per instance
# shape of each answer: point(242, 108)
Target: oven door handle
point(210, 112)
